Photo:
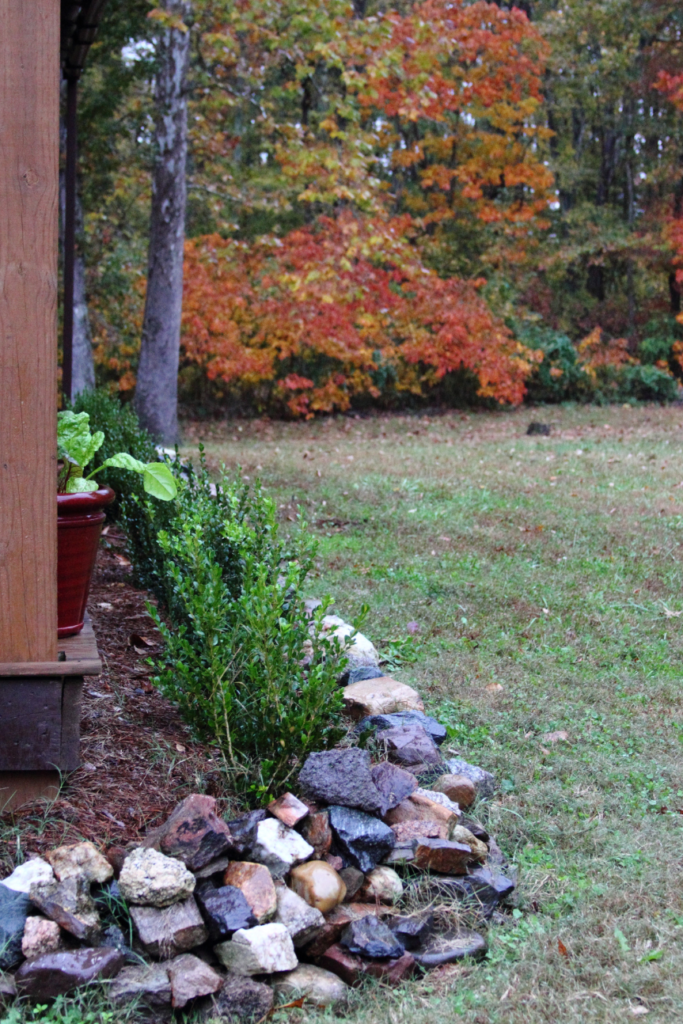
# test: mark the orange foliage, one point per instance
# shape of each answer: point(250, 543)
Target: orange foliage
point(595, 351)
point(338, 311)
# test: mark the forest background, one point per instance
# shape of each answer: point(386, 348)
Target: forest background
point(395, 203)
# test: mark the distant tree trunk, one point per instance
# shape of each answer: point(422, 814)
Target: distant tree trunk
point(156, 396)
point(82, 365)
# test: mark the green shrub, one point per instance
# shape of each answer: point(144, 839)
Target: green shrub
point(645, 384)
point(559, 377)
point(247, 668)
point(122, 433)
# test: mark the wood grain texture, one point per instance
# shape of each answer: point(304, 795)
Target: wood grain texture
point(29, 123)
point(19, 788)
point(31, 715)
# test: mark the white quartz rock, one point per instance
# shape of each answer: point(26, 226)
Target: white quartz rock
point(265, 949)
point(279, 847)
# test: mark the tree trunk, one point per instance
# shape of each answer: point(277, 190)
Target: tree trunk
point(156, 396)
point(82, 364)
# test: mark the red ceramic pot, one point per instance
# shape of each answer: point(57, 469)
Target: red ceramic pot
point(79, 524)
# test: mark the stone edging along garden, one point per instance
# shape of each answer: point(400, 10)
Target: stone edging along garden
point(303, 899)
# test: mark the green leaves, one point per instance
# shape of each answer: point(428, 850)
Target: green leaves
point(74, 440)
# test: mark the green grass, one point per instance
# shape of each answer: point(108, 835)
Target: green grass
point(544, 577)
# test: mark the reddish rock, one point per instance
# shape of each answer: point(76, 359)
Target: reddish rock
point(395, 784)
point(56, 974)
point(335, 862)
point(191, 978)
point(351, 969)
point(256, 883)
point(337, 920)
point(171, 930)
point(289, 809)
point(116, 856)
point(316, 830)
point(193, 834)
point(418, 807)
point(458, 788)
point(407, 830)
point(444, 857)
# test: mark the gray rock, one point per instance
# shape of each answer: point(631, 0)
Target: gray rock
point(481, 887)
point(191, 978)
point(266, 949)
point(55, 974)
point(149, 983)
point(171, 930)
point(302, 921)
point(317, 986)
point(150, 878)
point(402, 853)
point(243, 1001)
point(32, 872)
point(372, 938)
point(393, 783)
point(215, 867)
point(69, 904)
point(410, 745)
point(224, 910)
point(14, 908)
point(114, 937)
point(447, 947)
point(477, 830)
point(436, 730)
point(341, 777)
point(357, 675)
point(354, 880)
point(411, 931)
point(484, 782)
point(8, 990)
point(243, 832)
point(362, 839)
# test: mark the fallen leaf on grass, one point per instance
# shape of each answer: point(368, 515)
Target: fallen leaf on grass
point(561, 948)
point(556, 737)
point(122, 560)
point(638, 1011)
point(669, 613)
point(180, 748)
point(140, 642)
point(494, 688)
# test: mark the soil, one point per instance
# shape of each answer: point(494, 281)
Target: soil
point(138, 759)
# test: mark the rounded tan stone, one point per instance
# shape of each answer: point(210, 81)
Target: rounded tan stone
point(319, 884)
point(460, 834)
point(382, 884)
point(458, 788)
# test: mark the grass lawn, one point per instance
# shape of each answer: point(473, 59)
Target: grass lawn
point(526, 586)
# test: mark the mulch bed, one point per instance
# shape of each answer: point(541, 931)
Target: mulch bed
point(137, 757)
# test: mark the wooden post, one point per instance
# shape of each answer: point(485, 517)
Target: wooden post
point(69, 235)
point(29, 129)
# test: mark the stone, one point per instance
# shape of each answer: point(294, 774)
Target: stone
point(419, 807)
point(116, 856)
point(458, 788)
point(460, 834)
point(409, 744)
point(191, 978)
point(55, 974)
point(193, 833)
point(256, 884)
point(341, 777)
point(80, 860)
point(288, 809)
point(32, 872)
point(147, 983)
point(442, 856)
point(337, 920)
point(447, 947)
point(214, 867)
point(352, 969)
point(167, 931)
point(484, 782)
point(437, 731)
point(224, 910)
point(476, 828)
point(243, 1001)
point(40, 936)
point(317, 986)
point(372, 938)
point(411, 931)
point(361, 652)
point(69, 904)
point(382, 884)
point(318, 884)
point(403, 852)
point(380, 697)
point(302, 921)
point(317, 832)
point(279, 847)
point(438, 798)
point(362, 839)
point(243, 832)
point(113, 936)
point(262, 950)
point(334, 861)
point(353, 879)
point(8, 990)
point(411, 831)
point(481, 887)
point(14, 908)
point(394, 784)
point(357, 675)
point(150, 878)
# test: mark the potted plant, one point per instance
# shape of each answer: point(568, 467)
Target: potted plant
point(80, 510)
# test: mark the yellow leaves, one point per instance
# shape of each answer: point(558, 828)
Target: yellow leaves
point(167, 20)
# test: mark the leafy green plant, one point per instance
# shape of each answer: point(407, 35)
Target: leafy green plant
point(76, 448)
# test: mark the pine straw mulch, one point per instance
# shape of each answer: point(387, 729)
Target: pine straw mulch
point(137, 758)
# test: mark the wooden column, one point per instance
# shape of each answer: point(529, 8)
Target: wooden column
point(29, 127)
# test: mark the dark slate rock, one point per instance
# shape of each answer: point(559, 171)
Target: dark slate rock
point(372, 938)
point(225, 910)
point(447, 947)
point(411, 931)
point(243, 1001)
point(14, 908)
point(484, 782)
point(341, 777)
point(358, 675)
point(55, 974)
point(243, 832)
point(536, 429)
point(353, 880)
point(481, 887)
point(393, 783)
point(361, 839)
point(435, 729)
point(115, 939)
point(410, 744)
